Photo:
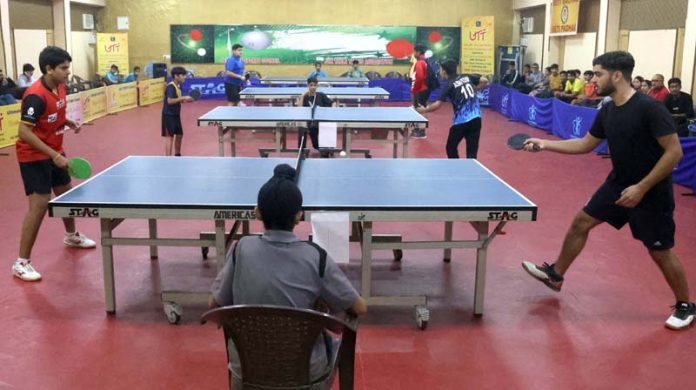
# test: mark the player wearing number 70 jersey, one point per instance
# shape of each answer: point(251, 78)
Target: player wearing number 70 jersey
point(466, 123)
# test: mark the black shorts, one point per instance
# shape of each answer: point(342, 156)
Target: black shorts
point(232, 92)
point(171, 126)
point(651, 221)
point(41, 176)
point(421, 98)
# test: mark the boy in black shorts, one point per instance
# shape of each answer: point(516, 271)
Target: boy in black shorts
point(644, 150)
point(42, 161)
point(171, 112)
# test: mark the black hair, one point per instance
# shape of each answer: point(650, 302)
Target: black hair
point(450, 67)
point(317, 63)
point(420, 49)
point(674, 80)
point(27, 68)
point(236, 46)
point(553, 66)
point(280, 199)
point(639, 78)
point(114, 66)
point(177, 70)
point(616, 61)
point(52, 56)
point(355, 62)
point(563, 72)
point(588, 73)
point(527, 66)
point(312, 80)
point(136, 68)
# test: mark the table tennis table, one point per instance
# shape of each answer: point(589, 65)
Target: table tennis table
point(302, 80)
point(282, 120)
point(369, 190)
point(291, 94)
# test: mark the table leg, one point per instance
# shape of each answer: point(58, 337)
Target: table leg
point(480, 287)
point(221, 141)
point(108, 265)
point(448, 238)
point(365, 286)
point(152, 224)
point(220, 242)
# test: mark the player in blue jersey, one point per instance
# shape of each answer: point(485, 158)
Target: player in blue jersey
point(466, 123)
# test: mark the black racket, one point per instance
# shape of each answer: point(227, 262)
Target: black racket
point(518, 140)
point(195, 94)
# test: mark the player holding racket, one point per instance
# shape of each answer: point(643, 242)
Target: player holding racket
point(42, 161)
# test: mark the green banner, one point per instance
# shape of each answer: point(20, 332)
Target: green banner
point(296, 44)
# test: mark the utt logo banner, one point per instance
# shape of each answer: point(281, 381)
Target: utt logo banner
point(564, 17)
point(112, 49)
point(478, 45)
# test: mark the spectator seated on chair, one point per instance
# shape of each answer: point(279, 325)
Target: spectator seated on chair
point(573, 87)
point(355, 72)
point(27, 77)
point(317, 72)
point(680, 105)
point(589, 98)
point(372, 75)
point(111, 77)
point(658, 90)
point(132, 76)
point(7, 90)
point(511, 78)
point(278, 269)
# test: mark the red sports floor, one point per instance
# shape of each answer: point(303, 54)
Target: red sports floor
point(605, 330)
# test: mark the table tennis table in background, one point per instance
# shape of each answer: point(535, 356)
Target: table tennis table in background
point(283, 120)
point(302, 80)
point(338, 94)
point(223, 190)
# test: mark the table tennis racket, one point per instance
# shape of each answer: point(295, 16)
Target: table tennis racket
point(79, 168)
point(195, 94)
point(518, 140)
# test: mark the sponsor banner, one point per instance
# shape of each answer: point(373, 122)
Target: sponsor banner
point(112, 49)
point(93, 103)
point(532, 111)
point(74, 109)
point(121, 97)
point(564, 17)
point(9, 124)
point(478, 45)
point(151, 90)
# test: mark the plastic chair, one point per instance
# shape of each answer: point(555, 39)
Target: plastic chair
point(275, 344)
point(393, 75)
point(254, 74)
point(372, 75)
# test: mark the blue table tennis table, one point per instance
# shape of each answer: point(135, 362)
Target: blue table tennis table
point(338, 94)
point(225, 189)
point(302, 80)
point(282, 120)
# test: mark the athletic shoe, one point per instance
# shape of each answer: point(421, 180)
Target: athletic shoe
point(544, 273)
point(418, 134)
point(683, 316)
point(78, 240)
point(25, 272)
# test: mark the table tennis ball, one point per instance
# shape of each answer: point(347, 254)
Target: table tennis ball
point(343, 153)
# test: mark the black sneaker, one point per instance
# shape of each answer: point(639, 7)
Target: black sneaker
point(544, 273)
point(683, 316)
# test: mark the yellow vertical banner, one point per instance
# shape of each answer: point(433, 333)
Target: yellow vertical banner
point(478, 45)
point(74, 108)
point(151, 91)
point(93, 103)
point(121, 97)
point(112, 49)
point(564, 17)
point(9, 124)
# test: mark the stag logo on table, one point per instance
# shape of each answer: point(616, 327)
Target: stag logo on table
point(209, 88)
point(577, 127)
point(532, 115)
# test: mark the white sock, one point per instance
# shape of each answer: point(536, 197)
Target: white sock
point(22, 261)
point(70, 235)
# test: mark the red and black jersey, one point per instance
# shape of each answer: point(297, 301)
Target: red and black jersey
point(45, 112)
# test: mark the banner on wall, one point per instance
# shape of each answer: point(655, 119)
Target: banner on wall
point(151, 91)
point(73, 110)
point(93, 103)
point(112, 49)
point(9, 124)
point(478, 45)
point(297, 44)
point(564, 17)
point(121, 97)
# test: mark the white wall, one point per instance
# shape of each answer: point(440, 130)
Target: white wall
point(84, 64)
point(653, 51)
point(28, 45)
point(535, 48)
point(579, 51)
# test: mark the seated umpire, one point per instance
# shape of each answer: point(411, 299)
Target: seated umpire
point(279, 269)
